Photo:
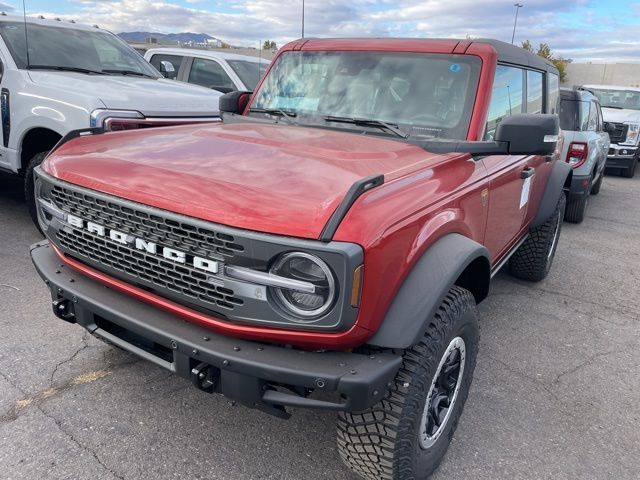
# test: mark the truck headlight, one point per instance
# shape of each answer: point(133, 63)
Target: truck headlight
point(633, 133)
point(115, 119)
point(304, 305)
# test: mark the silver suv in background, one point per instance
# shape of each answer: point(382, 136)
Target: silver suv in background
point(586, 144)
point(221, 71)
point(621, 108)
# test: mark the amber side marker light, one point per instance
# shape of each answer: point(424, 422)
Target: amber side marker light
point(356, 289)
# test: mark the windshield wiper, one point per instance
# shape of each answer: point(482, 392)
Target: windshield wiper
point(66, 69)
point(276, 111)
point(368, 122)
point(127, 72)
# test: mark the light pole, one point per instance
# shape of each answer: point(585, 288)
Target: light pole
point(515, 22)
point(302, 18)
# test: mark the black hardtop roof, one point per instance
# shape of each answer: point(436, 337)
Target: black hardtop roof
point(576, 94)
point(518, 56)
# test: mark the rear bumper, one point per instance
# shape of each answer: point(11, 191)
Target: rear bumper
point(245, 371)
point(580, 185)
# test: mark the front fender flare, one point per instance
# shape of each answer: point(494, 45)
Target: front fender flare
point(425, 288)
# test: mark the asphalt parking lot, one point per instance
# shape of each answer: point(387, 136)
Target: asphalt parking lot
point(556, 390)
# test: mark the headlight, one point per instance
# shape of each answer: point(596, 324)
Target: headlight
point(115, 119)
point(632, 134)
point(305, 306)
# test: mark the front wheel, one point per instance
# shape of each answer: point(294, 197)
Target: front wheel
point(532, 261)
point(29, 187)
point(406, 434)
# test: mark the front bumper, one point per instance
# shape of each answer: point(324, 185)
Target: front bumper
point(621, 156)
point(263, 376)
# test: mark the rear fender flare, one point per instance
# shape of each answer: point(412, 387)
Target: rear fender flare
point(426, 286)
point(559, 180)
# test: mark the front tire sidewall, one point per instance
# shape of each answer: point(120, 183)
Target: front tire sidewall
point(29, 187)
point(425, 461)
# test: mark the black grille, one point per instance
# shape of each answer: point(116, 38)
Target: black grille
point(620, 133)
point(152, 270)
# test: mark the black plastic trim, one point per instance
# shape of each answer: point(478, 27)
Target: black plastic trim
point(559, 179)
point(247, 369)
point(354, 192)
point(80, 132)
point(6, 116)
point(425, 288)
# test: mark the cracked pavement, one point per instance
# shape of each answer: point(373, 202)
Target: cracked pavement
point(555, 393)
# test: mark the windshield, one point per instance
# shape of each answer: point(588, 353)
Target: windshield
point(429, 95)
point(628, 99)
point(71, 48)
point(249, 72)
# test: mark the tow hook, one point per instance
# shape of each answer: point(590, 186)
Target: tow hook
point(63, 309)
point(205, 377)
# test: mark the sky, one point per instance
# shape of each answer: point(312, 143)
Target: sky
point(583, 30)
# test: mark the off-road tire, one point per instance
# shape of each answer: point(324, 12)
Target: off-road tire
point(532, 261)
point(29, 193)
point(631, 171)
point(577, 206)
point(383, 442)
point(595, 188)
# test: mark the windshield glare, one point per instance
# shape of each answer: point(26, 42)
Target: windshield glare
point(628, 99)
point(57, 47)
point(249, 72)
point(424, 94)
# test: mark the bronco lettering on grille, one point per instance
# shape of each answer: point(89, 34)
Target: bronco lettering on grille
point(172, 254)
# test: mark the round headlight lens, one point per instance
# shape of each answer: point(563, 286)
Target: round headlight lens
point(305, 306)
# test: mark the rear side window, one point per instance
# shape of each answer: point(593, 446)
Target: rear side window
point(574, 115)
point(506, 97)
point(534, 92)
point(553, 87)
point(175, 60)
point(592, 122)
point(210, 74)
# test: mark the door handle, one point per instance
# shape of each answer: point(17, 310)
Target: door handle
point(527, 172)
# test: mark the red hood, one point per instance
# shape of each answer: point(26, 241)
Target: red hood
point(270, 178)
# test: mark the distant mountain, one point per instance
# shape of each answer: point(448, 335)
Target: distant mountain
point(165, 38)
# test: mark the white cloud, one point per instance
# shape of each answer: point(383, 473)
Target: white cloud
point(252, 21)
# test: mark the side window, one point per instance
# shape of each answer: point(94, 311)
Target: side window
point(210, 74)
point(506, 97)
point(596, 107)
point(592, 124)
point(553, 89)
point(175, 60)
point(534, 92)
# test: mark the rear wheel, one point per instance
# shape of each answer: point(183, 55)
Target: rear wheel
point(407, 434)
point(532, 261)
point(577, 205)
point(595, 189)
point(29, 190)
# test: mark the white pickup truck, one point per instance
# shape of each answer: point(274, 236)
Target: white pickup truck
point(621, 109)
point(60, 76)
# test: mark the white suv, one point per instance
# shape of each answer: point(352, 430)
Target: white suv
point(221, 71)
point(76, 76)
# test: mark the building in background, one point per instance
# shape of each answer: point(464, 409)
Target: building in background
point(624, 74)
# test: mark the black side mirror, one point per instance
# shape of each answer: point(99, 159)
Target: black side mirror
point(234, 102)
point(609, 127)
point(222, 89)
point(167, 70)
point(529, 134)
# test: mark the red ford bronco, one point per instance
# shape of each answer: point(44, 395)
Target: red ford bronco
point(326, 245)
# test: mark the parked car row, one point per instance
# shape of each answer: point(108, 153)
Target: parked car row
point(323, 246)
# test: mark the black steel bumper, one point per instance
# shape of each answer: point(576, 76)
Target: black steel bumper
point(621, 157)
point(257, 375)
point(580, 185)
